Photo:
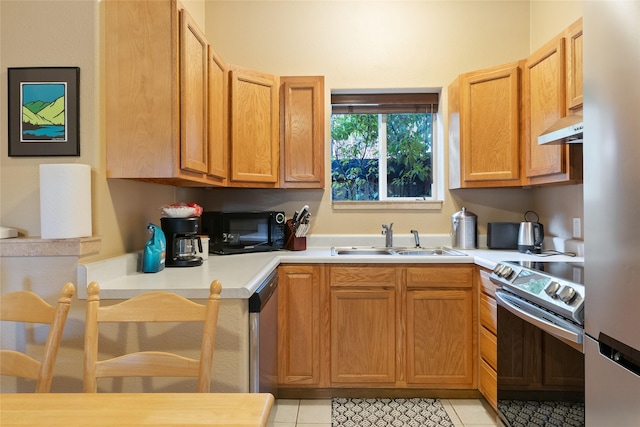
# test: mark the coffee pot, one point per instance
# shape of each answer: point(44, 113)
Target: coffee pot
point(182, 241)
point(530, 234)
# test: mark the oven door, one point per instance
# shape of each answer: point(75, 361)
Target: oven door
point(540, 366)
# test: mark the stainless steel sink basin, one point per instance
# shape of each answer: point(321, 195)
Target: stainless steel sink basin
point(430, 251)
point(361, 251)
point(395, 251)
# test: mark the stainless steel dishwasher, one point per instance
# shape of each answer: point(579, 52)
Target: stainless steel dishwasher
point(263, 337)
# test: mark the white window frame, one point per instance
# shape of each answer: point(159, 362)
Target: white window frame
point(435, 202)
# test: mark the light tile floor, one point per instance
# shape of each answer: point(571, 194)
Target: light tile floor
point(317, 413)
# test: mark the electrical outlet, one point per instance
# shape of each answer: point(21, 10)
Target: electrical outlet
point(577, 228)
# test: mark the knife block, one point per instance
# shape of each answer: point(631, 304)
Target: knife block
point(293, 243)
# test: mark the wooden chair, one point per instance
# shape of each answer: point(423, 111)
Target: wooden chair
point(27, 307)
point(155, 306)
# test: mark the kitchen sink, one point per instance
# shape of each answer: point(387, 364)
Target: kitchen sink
point(430, 251)
point(394, 251)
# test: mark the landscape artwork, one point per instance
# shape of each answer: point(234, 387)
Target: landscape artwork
point(44, 111)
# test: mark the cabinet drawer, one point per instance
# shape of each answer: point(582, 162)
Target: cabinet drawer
point(488, 313)
point(362, 276)
point(489, 347)
point(486, 285)
point(488, 384)
point(449, 276)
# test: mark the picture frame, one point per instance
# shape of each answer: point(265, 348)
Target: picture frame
point(44, 107)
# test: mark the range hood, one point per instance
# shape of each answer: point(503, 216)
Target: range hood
point(567, 130)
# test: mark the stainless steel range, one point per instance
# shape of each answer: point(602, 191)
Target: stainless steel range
point(540, 343)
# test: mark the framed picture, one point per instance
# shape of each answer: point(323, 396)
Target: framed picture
point(43, 111)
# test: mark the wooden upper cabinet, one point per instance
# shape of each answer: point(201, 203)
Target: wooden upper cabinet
point(194, 51)
point(484, 111)
point(141, 91)
point(302, 132)
point(218, 117)
point(574, 66)
point(156, 92)
point(254, 129)
point(497, 114)
point(545, 84)
point(545, 103)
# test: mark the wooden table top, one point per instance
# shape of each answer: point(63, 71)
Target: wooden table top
point(135, 409)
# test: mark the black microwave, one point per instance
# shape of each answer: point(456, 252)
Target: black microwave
point(242, 232)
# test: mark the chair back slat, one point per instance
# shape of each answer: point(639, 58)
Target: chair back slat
point(148, 364)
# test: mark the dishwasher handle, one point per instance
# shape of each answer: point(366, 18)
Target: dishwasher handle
point(264, 292)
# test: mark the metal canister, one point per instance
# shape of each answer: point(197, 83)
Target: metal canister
point(464, 230)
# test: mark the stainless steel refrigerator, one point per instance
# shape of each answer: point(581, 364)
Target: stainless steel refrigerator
point(612, 212)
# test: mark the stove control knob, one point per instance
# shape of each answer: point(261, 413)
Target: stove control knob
point(552, 289)
point(507, 272)
point(498, 269)
point(567, 294)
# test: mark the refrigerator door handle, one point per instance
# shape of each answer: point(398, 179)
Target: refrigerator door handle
point(620, 353)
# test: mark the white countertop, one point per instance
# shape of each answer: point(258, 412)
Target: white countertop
point(240, 275)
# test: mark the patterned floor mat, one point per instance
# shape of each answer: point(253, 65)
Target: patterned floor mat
point(415, 412)
point(542, 414)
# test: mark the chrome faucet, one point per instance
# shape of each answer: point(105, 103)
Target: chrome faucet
point(417, 237)
point(387, 231)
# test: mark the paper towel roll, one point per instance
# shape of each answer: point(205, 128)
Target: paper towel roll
point(65, 201)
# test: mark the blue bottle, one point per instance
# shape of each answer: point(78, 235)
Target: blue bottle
point(155, 251)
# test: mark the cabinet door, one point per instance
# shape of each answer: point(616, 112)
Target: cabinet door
point(142, 124)
point(487, 339)
point(440, 338)
point(490, 125)
point(299, 336)
point(193, 95)
point(546, 104)
point(254, 127)
point(574, 65)
point(545, 83)
point(302, 132)
point(363, 324)
point(218, 116)
point(488, 384)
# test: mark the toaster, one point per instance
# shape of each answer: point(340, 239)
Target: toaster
point(502, 235)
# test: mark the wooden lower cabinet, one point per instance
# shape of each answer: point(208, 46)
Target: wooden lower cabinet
point(300, 330)
point(366, 326)
point(363, 325)
point(487, 338)
point(488, 384)
point(440, 350)
point(363, 336)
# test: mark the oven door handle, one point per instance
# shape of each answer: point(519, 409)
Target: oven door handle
point(536, 316)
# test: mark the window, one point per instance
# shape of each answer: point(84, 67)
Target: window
point(382, 146)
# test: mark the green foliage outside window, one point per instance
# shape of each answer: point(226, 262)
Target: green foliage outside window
point(355, 156)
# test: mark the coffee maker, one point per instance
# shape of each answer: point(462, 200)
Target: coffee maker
point(182, 237)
